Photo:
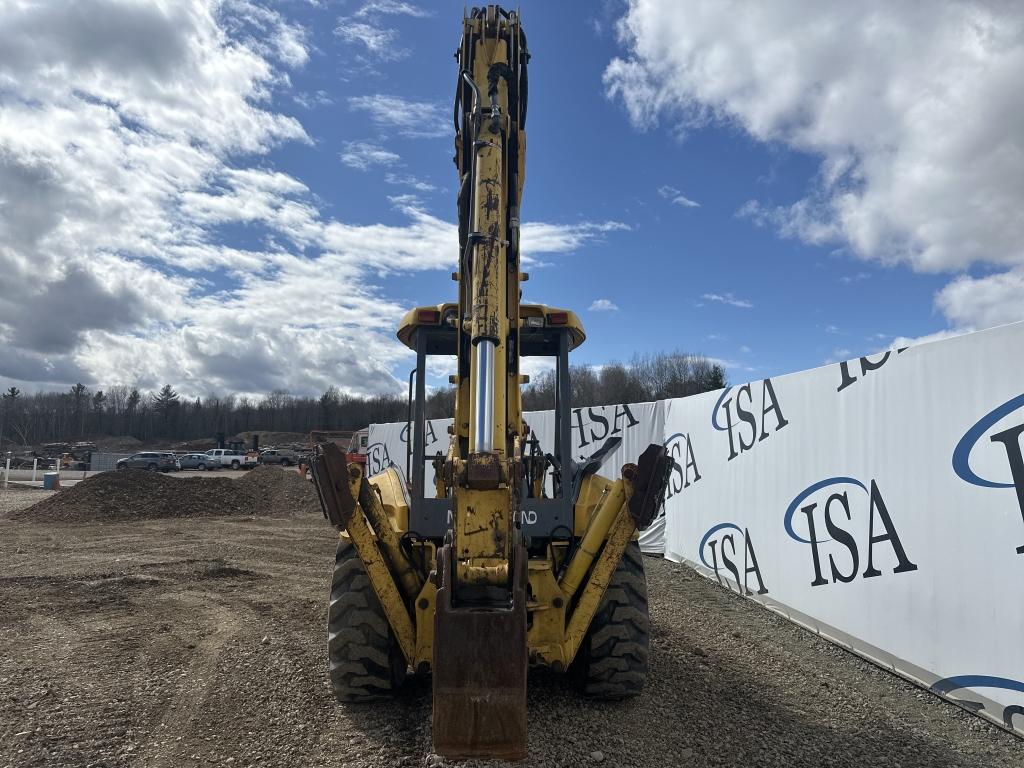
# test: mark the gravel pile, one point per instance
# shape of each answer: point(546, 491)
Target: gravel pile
point(281, 491)
point(136, 494)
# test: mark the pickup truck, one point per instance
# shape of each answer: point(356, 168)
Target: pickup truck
point(283, 456)
point(229, 457)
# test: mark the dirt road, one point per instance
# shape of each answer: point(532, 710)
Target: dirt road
point(195, 642)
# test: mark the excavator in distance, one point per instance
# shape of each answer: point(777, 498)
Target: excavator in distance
point(512, 556)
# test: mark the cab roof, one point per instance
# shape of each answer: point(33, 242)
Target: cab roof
point(539, 327)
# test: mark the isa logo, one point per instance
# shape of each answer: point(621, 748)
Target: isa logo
point(746, 423)
point(720, 543)
point(377, 458)
point(684, 471)
point(996, 439)
point(965, 682)
point(843, 520)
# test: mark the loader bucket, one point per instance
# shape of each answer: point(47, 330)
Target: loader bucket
point(479, 668)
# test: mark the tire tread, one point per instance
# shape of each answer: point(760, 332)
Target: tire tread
point(612, 661)
point(365, 661)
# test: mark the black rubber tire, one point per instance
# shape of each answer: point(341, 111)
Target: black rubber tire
point(201, 467)
point(235, 465)
point(151, 467)
point(285, 463)
point(366, 663)
point(612, 660)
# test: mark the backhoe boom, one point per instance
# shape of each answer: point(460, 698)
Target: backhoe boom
point(513, 555)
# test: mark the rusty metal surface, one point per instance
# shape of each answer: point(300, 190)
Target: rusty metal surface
point(330, 472)
point(483, 471)
point(649, 482)
point(480, 663)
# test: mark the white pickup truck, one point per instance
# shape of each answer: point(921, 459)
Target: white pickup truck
point(230, 458)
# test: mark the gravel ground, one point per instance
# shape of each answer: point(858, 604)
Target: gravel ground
point(197, 642)
point(14, 498)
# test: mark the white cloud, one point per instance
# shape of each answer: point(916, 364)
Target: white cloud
point(538, 237)
point(731, 365)
point(908, 341)
point(313, 100)
point(364, 154)
point(838, 356)
point(408, 180)
point(392, 8)
point(378, 41)
point(981, 302)
point(365, 27)
point(603, 305)
point(915, 110)
point(728, 298)
point(412, 119)
point(685, 202)
point(134, 138)
point(855, 278)
point(677, 197)
point(266, 31)
point(744, 349)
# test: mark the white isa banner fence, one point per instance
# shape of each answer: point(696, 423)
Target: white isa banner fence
point(637, 425)
point(878, 501)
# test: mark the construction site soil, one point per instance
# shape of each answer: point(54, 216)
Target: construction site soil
point(137, 494)
point(148, 638)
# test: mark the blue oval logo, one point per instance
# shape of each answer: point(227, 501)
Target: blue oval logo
point(677, 436)
point(962, 452)
point(707, 536)
point(977, 681)
point(714, 412)
point(795, 504)
point(949, 684)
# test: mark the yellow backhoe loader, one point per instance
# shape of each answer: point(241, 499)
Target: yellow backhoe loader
point(513, 556)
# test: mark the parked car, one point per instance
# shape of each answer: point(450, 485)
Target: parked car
point(283, 456)
point(152, 460)
point(174, 457)
point(199, 461)
point(229, 457)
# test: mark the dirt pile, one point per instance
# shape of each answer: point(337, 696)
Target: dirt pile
point(281, 491)
point(118, 444)
point(136, 494)
point(273, 439)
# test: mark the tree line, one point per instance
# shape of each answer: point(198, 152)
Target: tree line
point(83, 413)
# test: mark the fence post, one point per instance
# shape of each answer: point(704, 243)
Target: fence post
point(7, 470)
point(35, 462)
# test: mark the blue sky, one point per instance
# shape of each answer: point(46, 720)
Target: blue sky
point(770, 190)
point(586, 162)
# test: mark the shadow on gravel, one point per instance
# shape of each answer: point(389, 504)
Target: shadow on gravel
point(697, 710)
point(396, 730)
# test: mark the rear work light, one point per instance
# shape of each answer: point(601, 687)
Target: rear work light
point(558, 318)
point(429, 316)
point(533, 322)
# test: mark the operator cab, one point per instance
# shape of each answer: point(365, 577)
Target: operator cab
point(543, 332)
